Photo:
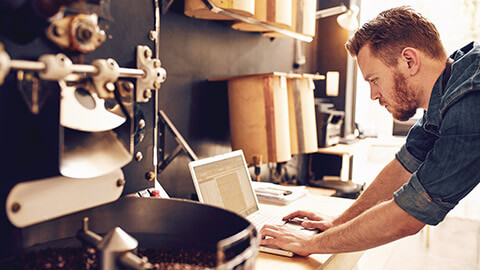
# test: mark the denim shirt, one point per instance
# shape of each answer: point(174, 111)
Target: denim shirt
point(442, 150)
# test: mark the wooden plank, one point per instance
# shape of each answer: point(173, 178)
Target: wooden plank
point(309, 17)
point(282, 133)
point(268, 96)
point(274, 35)
point(308, 141)
point(303, 131)
point(247, 117)
point(279, 13)
point(298, 23)
point(276, 73)
point(292, 117)
point(248, 27)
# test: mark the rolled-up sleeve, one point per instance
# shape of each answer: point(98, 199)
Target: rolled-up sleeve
point(408, 161)
point(451, 169)
point(416, 201)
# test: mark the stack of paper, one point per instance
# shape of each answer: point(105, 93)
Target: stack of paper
point(278, 194)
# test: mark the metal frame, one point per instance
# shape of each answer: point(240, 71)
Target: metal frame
point(164, 160)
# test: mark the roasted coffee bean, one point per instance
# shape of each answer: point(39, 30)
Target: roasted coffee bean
point(80, 258)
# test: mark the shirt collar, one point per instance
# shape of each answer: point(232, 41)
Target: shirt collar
point(432, 115)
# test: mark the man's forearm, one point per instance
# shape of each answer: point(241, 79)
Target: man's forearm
point(390, 179)
point(387, 221)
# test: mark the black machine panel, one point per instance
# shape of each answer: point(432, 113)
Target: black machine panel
point(31, 143)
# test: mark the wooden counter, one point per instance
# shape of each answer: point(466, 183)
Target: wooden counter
point(318, 203)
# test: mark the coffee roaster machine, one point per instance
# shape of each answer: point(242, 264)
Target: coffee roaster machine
point(79, 127)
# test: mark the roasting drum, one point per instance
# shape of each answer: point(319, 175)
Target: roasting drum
point(157, 223)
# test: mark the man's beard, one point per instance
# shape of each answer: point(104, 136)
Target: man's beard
point(405, 100)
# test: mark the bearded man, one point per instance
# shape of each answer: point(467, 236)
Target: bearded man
point(401, 56)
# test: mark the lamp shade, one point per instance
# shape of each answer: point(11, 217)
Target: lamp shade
point(349, 20)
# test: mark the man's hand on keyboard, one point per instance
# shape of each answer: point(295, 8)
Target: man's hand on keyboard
point(312, 220)
point(287, 238)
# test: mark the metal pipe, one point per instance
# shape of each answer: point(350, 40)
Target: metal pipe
point(76, 68)
point(131, 72)
point(29, 65)
point(80, 68)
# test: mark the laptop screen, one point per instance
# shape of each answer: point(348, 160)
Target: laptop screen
point(224, 181)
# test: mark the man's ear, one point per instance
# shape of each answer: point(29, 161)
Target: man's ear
point(410, 60)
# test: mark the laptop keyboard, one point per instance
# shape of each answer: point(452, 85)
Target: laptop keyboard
point(260, 218)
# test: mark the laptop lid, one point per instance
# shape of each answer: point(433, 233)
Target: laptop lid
point(224, 181)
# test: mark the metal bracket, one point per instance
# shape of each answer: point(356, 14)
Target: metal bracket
point(153, 76)
point(57, 67)
point(77, 33)
point(182, 144)
point(104, 79)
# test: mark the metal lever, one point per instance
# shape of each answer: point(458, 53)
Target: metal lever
point(116, 246)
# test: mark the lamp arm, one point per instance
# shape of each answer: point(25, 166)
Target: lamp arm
point(323, 13)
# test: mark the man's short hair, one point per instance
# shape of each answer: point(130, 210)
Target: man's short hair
point(393, 30)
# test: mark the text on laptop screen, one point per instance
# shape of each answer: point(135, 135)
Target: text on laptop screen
point(226, 183)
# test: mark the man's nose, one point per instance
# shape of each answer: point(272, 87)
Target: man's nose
point(374, 95)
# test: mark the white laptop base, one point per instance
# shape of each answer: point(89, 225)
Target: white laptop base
point(275, 250)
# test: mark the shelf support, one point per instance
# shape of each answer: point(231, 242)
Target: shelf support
point(182, 143)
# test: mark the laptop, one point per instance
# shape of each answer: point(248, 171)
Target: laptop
point(224, 181)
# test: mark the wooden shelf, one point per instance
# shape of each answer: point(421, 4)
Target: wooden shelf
point(221, 13)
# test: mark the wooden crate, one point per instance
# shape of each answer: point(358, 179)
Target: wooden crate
point(259, 121)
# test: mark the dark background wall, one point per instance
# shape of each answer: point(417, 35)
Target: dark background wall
point(192, 51)
point(331, 56)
